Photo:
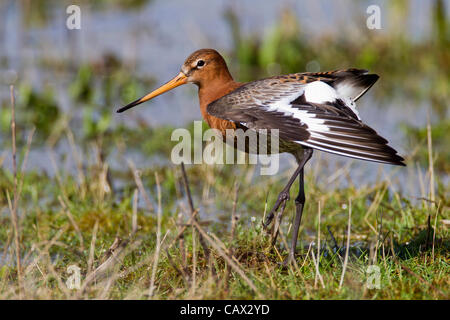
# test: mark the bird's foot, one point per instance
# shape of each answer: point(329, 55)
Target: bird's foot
point(276, 227)
point(290, 258)
point(282, 198)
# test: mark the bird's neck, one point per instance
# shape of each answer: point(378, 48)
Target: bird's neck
point(211, 91)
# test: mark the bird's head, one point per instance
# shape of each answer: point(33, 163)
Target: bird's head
point(202, 67)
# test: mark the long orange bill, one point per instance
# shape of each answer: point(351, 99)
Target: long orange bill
point(175, 82)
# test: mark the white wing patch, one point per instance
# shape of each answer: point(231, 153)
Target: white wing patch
point(284, 105)
point(315, 92)
point(346, 89)
point(320, 92)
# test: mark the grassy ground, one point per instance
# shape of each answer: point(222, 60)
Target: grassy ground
point(126, 241)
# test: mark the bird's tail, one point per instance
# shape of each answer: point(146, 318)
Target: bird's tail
point(353, 83)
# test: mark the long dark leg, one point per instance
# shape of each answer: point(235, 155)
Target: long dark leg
point(282, 197)
point(284, 194)
point(299, 204)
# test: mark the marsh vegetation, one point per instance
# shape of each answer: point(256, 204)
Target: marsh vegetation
point(95, 191)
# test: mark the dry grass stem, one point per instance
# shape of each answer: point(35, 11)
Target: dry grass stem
point(348, 243)
point(158, 239)
point(14, 213)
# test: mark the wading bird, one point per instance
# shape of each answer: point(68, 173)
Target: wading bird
point(310, 110)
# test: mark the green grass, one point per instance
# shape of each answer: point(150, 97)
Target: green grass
point(381, 218)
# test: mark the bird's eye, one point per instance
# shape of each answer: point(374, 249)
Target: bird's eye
point(200, 63)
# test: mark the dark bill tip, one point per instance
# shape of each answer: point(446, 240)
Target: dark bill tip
point(128, 106)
